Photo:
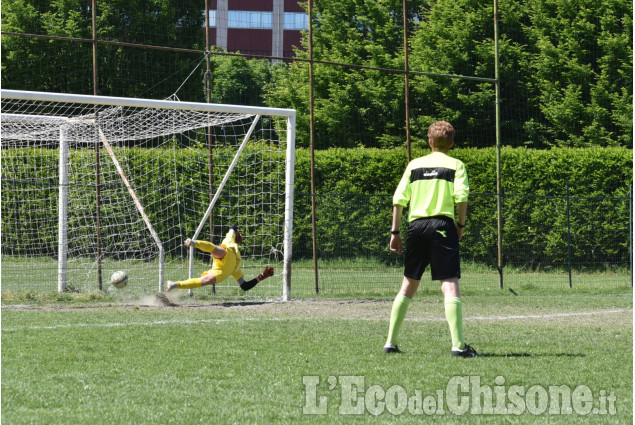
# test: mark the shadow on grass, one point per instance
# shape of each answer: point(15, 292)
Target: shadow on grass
point(517, 355)
point(532, 355)
point(243, 303)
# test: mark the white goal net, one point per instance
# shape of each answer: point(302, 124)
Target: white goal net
point(92, 185)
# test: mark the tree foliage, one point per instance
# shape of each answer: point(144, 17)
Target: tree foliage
point(67, 66)
point(37, 64)
point(565, 72)
point(352, 106)
point(565, 67)
point(582, 71)
point(236, 80)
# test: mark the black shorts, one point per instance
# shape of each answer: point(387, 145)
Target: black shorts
point(432, 241)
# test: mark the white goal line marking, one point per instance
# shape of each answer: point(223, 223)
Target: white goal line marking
point(289, 318)
point(529, 316)
point(123, 324)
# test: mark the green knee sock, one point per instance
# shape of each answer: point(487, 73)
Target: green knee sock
point(454, 314)
point(399, 310)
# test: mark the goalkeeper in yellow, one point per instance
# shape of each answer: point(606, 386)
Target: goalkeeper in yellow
point(226, 263)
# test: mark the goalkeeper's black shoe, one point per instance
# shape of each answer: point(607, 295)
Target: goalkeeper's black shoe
point(466, 352)
point(391, 349)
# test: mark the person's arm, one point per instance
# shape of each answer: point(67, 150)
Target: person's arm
point(461, 193)
point(462, 217)
point(400, 199)
point(396, 244)
point(247, 285)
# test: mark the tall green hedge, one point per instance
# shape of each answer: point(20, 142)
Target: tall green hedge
point(354, 192)
point(353, 218)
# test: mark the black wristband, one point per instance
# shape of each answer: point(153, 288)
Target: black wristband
point(394, 232)
point(459, 225)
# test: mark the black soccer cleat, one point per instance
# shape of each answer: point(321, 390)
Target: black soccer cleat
point(391, 349)
point(466, 352)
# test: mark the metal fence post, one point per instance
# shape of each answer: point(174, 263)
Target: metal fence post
point(569, 236)
point(499, 190)
point(312, 147)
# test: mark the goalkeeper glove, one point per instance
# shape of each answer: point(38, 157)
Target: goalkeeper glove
point(268, 272)
point(247, 285)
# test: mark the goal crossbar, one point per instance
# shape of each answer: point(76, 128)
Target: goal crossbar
point(143, 103)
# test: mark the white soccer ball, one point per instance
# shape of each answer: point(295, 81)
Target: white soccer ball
point(119, 279)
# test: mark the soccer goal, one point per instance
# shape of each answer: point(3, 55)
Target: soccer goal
point(92, 185)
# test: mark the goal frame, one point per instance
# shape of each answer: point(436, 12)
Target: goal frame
point(288, 114)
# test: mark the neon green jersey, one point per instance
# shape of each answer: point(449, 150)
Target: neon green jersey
point(432, 185)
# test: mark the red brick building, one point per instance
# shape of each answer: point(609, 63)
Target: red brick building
point(257, 27)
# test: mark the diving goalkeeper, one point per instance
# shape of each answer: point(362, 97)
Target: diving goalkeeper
point(226, 263)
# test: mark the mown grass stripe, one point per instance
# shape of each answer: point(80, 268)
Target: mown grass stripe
point(258, 319)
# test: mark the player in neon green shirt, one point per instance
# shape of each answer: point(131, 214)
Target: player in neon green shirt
point(432, 186)
point(227, 262)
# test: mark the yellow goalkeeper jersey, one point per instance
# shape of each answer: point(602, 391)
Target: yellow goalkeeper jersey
point(230, 265)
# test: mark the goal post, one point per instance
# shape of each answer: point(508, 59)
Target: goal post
point(62, 217)
point(155, 189)
point(288, 209)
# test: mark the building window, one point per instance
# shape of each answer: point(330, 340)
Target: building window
point(247, 19)
point(261, 20)
point(212, 18)
point(296, 21)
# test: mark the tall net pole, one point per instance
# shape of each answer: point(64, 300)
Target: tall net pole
point(312, 143)
point(630, 232)
point(406, 82)
point(499, 191)
point(97, 151)
point(208, 98)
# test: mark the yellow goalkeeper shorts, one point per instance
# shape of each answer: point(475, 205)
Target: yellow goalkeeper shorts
point(227, 266)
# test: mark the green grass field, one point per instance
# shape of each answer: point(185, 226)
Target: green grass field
point(228, 360)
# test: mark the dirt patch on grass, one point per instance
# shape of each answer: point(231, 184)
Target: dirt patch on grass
point(423, 310)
